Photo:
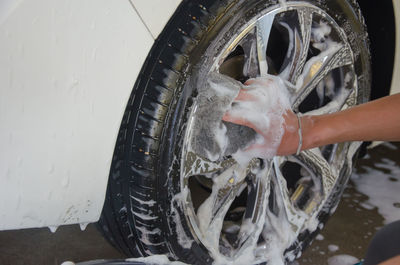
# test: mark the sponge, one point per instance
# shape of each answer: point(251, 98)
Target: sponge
point(211, 137)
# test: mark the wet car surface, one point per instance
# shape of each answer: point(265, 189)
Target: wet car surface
point(348, 232)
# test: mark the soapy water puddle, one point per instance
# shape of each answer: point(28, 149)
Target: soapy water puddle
point(370, 201)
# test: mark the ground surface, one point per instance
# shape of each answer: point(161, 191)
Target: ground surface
point(347, 232)
point(357, 219)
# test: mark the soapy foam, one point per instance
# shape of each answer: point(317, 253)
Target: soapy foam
point(269, 101)
point(53, 229)
point(342, 260)
point(211, 227)
point(156, 260)
point(214, 139)
point(333, 248)
point(283, 3)
point(383, 192)
point(179, 200)
point(277, 233)
point(319, 34)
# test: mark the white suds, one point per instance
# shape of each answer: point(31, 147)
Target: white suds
point(180, 199)
point(211, 226)
point(267, 100)
point(83, 226)
point(381, 188)
point(342, 260)
point(53, 229)
point(319, 34)
point(367, 205)
point(283, 3)
point(319, 237)
point(157, 259)
point(333, 248)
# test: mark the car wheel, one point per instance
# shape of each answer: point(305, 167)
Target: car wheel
point(164, 198)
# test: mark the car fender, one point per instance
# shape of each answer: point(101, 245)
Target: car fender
point(67, 69)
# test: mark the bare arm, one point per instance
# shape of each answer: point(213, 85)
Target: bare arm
point(378, 120)
point(392, 261)
point(375, 120)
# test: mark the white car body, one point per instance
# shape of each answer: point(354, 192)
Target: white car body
point(67, 68)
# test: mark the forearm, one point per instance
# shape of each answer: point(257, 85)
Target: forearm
point(376, 120)
point(392, 261)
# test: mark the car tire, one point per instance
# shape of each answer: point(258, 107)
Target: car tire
point(141, 214)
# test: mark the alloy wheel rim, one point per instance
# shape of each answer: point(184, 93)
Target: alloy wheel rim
point(284, 193)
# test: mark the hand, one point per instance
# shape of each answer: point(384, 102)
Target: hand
point(264, 106)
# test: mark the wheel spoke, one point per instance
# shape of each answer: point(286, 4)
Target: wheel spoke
point(318, 67)
point(317, 168)
point(283, 224)
point(341, 101)
point(249, 45)
point(263, 29)
point(256, 209)
point(314, 160)
point(213, 210)
point(351, 99)
point(197, 165)
point(299, 35)
point(285, 208)
point(305, 17)
point(344, 98)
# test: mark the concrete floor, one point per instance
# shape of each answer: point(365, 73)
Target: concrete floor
point(350, 228)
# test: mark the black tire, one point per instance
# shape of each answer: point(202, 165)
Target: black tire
point(139, 216)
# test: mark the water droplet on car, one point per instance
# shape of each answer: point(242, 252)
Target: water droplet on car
point(65, 182)
point(53, 229)
point(83, 226)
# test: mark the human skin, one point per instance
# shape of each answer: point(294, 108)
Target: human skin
point(378, 120)
point(392, 261)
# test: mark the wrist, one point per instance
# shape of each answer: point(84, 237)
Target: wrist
point(310, 136)
point(300, 135)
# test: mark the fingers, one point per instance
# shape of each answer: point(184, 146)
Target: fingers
point(247, 94)
point(258, 81)
point(244, 95)
point(249, 82)
point(229, 117)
